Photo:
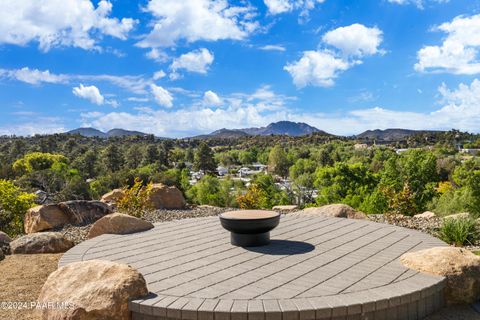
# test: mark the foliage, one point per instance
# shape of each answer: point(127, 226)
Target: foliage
point(204, 159)
point(254, 198)
point(459, 231)
point(344, 183)
point(136, 200)
point(278, 162)
point(13, 205)
point(37, 161)
point(212, 191)
point(402, 202)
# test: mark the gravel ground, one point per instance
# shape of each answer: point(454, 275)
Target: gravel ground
point(22, 279)
point(194, 212)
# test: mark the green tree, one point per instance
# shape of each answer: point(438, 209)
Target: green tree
point(204, 159)
point(278, 162)
point(112, 158)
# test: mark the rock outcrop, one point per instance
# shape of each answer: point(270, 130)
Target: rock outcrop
point(42, 242)
point(4, 243)
point(166, 197)
point(49, 216)
point(95, 289)
point(118, 223)
point(459, 266)
point(286, 208)
point(425, 215)
point(335, 210)
point(113, 196)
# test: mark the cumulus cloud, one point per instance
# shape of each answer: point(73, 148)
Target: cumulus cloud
point(321, 67)
point(191, 21)
point(282, 6)
point(355, 39)
point(211, 98)
point(316, 68)
point(460, 109)
point(90, 93)
point(195, 61)
point(32, 76)
point(55, 23)
point(458, 54)
point(162, 96)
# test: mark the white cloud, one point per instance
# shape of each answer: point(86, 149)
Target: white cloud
point(321, 67)
point(211, 98)
point(278, 6)
point(419, 3)
point(90, 93)
point(32, 76)
point(192, 21)
point(157, 55)
point(162, 96)
point(159, 75)
point(272, 47)
point(458, 53)
point(195, 61)
point(40, 125)
point(316, 68)
point(56, 23)
point(355, 39)
point(282, 6)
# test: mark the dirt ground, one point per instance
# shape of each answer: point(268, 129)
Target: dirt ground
point(22, 277)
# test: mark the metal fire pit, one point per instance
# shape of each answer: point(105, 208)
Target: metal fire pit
point(250, 228)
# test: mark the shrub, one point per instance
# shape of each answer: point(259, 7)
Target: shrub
point(136, 199)
point(254, 198)
point(13, 205)
point(459, 231)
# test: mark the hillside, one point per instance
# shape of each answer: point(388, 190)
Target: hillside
point(92, 132)
point(288, 128)
point(390, 134)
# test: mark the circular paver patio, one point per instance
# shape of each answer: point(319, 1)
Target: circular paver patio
point(314, 268)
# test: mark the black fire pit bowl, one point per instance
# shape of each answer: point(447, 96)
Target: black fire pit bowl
point(250, 228)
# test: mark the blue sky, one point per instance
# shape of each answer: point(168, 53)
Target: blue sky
point(178, 68)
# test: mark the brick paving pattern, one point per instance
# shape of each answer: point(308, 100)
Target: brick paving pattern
point(314, 268)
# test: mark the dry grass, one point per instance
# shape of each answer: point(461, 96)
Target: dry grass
point(22, 279)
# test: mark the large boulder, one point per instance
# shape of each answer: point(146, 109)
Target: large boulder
point(96, 289)
point(460, 267)
point(118, 223)
point(44, 217)
point(42, 242)
point(4, 238)
point(50, 216)
point(335, 210)
point(4, 244)
point(425, 215)
point(166, 197)
point(113, 196)
point(83, 211)
point(2, 255)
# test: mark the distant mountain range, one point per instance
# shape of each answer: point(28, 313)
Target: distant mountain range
point(288, 128)
point(92, 132)
point(390, 134)
point(276, 128)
